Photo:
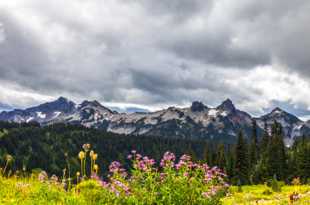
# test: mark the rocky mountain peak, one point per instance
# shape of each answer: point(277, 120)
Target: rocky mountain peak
point(62, 99)
point(227, 105)
point(277, 110)
point(198, 106)
point(278, 113)
point(94, 103)
point(61, 104)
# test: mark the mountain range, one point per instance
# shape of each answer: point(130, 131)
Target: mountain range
point(195, 122)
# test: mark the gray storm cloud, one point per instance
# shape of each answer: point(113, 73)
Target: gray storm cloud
point(152, 52)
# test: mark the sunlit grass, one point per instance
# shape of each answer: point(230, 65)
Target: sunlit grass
point(261, 194)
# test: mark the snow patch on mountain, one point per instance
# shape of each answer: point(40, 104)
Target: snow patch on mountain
point(29, 119)
point(41, 115)
point(196, 121)
point(213, 112)
point(56, 114)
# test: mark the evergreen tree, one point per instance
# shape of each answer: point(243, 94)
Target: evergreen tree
point(242, 160)
point(265, 140)
point(277, 158)
point(254, 146)
point(303, 160)
point(230, 162)
point(206, 154)
point(221, 159)
point(260, 170)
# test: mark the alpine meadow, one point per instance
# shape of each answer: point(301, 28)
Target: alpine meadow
point(144, 102)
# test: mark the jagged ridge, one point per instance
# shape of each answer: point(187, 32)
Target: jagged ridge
point(195, 122)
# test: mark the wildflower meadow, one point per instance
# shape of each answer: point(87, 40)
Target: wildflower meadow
point(170, 181)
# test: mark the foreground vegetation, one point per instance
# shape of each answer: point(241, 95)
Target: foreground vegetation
point(169, 181)
point(76, 176)
point(172, 182)
point(29, 191)
point(261, 194)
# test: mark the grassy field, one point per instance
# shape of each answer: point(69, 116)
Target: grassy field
point(261, 194)
point(31, 191)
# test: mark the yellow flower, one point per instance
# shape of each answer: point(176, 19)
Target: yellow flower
point(78, 174)
point(96, 168)
point(81, 155)
point(91, 153)
point(95, 156)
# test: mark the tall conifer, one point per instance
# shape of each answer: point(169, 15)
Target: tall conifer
point(242, 160)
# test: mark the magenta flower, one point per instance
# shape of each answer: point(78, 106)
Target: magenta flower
point(115, 168)
point(143, 163)
point(167, 160)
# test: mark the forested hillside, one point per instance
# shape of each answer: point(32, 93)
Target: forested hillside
point(54, 148)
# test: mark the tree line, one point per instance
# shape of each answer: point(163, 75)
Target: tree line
point(250, 160)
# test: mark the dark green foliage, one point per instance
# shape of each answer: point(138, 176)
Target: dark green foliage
point(275, 185)
point(45, 147)
point(302, 159)
point(277, 159)
point(220, 157)
point(264, 141)
point(242, 160)
point(254, 145)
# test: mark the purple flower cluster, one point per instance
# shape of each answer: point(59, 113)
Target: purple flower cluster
point(141, 163)
point(185, 162)
point(168, 160)
point(117, 187)
point(212, 180)
point(116, 168)
point(213, 174)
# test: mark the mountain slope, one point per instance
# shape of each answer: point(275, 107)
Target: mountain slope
point(292, 126)
point(195, 122)
point(42, 113)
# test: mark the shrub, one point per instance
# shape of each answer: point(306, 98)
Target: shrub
point(276, 185)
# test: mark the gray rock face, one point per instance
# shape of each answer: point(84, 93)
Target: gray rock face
point(195, 122)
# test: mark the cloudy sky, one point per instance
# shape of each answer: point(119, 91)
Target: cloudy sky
point(154, 54)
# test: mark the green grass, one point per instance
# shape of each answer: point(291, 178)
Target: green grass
point(261, 194)
point(30, 191)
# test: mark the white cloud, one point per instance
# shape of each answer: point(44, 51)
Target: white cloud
point(19, 97)
point(263, 85)
point(155, 55)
